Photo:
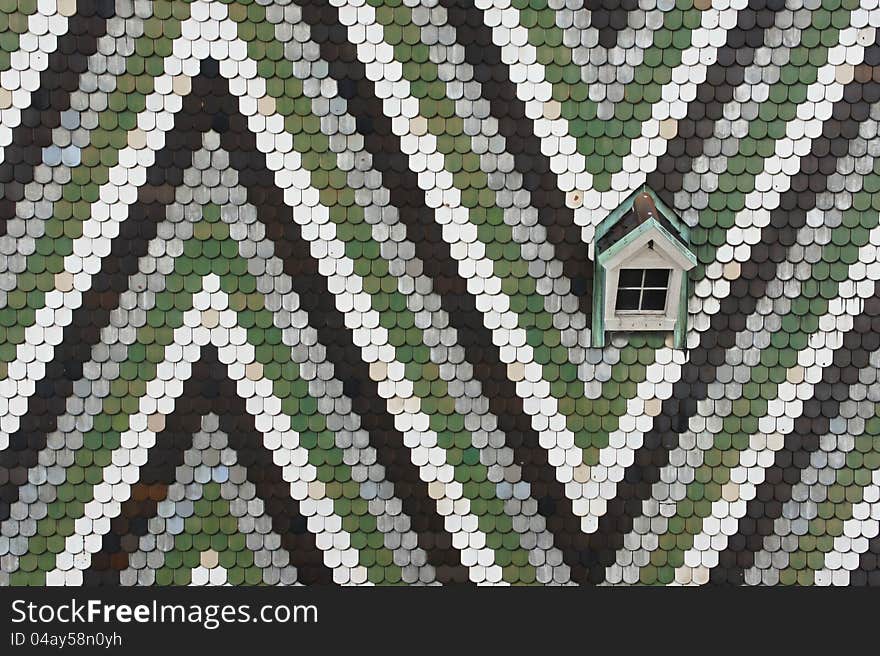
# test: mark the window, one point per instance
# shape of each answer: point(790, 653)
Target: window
point(642, 290)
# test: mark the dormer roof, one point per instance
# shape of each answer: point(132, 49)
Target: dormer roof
point(643, 219)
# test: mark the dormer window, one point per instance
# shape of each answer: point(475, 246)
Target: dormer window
point(642, 259)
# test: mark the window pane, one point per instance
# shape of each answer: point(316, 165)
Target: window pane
point(656, 277)
point(654, 299)
point(628, 299)
point(630, 278)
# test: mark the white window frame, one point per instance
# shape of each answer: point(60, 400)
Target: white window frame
point(650, 250)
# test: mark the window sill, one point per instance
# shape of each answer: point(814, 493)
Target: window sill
point(640, 322)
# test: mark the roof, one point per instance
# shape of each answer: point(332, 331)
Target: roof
point(637, 210)
point(302, 307)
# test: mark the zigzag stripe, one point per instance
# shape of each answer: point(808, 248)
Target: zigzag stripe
point(201, 389)
point(208, 462)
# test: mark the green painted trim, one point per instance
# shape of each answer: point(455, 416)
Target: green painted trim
point(597, 336)
point(609, 221)
point(681, 227)
point(632, 236)
point(679, 335)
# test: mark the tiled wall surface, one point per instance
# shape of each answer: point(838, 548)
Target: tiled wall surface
point(299, 291)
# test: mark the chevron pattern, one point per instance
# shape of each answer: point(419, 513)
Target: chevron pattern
point(299, 292)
